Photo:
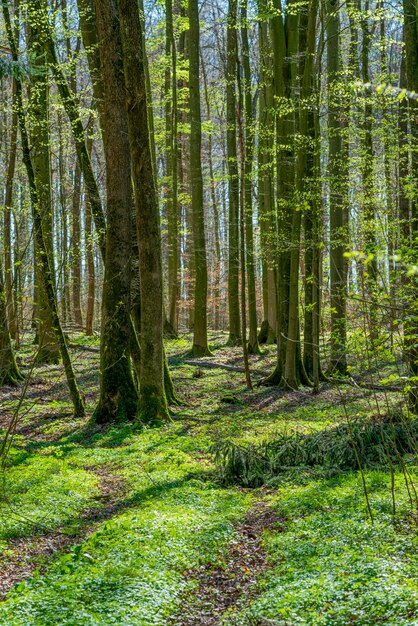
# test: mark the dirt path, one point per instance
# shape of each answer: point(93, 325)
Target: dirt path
point(26, 554)
point(221, 588)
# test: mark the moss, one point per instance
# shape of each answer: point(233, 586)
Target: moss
point(199, 351)
point(152, 406)
point(169, 390)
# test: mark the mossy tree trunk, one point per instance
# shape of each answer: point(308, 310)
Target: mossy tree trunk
point(233, 180)
point(369, 189)
point(7, 226)
point(9, 371)
point(172, 170)
point(307, 42)
point(76, 248)
point(200, 336)
point(47, 274)
point(118, 396)
point(48, 351)
point(253, 346)
point(410, 284)
point(267, 217)
point(215, 206)
point(338, 359)
point(152, 401)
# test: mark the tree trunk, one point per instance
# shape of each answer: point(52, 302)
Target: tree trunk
point(47, 275)
point(267, 218)
point(307, 42)
point(118, 396)
point(153, 403)
point(76, 248)
point(338, 359)
point(233, 181)
point(8, 204)
point(9, 371)
point(40, 156)
point(200, 338)
point(247, 181)
point(410, 35)
point(172, 179)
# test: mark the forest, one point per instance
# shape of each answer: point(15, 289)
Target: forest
point(208, 312)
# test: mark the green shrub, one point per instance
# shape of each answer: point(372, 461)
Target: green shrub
point(365, 442)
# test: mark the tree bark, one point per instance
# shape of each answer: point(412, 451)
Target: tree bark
point(118, 397)
point(233, 180)
point(200, 337)
point(152, 401)
point(47, 275)
point(338, 359)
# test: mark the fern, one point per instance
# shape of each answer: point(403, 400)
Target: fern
point(374, 444)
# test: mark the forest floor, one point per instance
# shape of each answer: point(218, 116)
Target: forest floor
point(133, 525)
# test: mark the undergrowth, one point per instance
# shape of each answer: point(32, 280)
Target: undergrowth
point(347, 446)
point(329, 565)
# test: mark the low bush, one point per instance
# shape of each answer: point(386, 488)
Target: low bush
point(365, 443)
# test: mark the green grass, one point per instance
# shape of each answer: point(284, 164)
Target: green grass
point(329, 565)
point(130, 570)
point(332, 566)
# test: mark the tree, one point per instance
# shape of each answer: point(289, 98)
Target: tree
point(9, 371)
point(233, 181)
point(200, 336)
point(410, 36)
point(338, 361)
point(40, 156)
point(118, 396)
point(253, 346)
point(46, 273)
point(153, 403)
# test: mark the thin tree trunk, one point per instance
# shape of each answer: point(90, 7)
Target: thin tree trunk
point(247, 182)
point(76, 248)
point(89, 248)
point(369, 192)
point(410, 284)
point(9, 371)
point(338, 359)
point(233, 181)
point(171, 156)
point(40, 157)
point(242, 208)
point(200, 337)
point(215, 208)
point(8, 204)
point(266, 217)
point(48, 279)
point(307, 41)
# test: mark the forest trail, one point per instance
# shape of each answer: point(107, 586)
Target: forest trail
point(226, 585)
point(138, 526)
point(25, 555)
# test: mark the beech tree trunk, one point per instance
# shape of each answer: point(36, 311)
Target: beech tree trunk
point(338, 359)
point(7, 223)
point(233, 181)
point(40, 155)
point(47, 275)
point(152, 401)
point(118, 397)
point(200, 338)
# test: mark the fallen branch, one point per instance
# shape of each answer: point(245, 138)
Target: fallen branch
point(224, 366)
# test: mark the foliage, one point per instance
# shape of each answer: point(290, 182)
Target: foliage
point(331, 566)
point(363, 442)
